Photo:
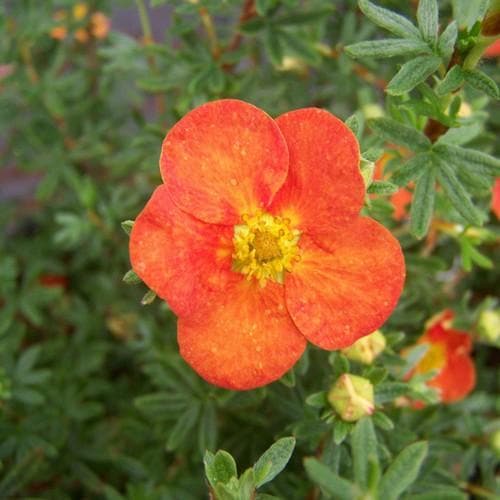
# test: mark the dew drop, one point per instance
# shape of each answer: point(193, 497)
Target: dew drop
point(233, 182)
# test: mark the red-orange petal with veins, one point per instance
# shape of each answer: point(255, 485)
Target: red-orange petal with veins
point(324, 186)
point(339, 296)
point(456, 379)
point(182, 259)
point(242, 339)
point(223, 159)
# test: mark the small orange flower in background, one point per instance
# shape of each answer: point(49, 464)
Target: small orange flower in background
point(449, 355)
point(256, 242)
point(96, 26)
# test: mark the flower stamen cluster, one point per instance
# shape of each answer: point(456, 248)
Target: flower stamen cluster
point(265, 246)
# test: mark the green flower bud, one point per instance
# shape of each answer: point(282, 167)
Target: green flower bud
point(352, 397)
point(366, 349)
point(488, 325)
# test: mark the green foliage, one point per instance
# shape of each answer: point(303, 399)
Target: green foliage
point(95, 400)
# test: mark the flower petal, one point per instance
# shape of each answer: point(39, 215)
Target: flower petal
point(456, 379)
point(337, 297)
point(223, 159)
point(242, 339)
point(324, 184)
point(179, 257)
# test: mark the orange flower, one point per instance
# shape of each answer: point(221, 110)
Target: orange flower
point(58, 33)
point(99, 25)
point(495, 198)
point(449, 355)
point(256, 242)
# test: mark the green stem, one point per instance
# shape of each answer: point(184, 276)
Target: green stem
point(145, 21)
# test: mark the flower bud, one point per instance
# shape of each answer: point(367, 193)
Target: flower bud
point(352, 397)
point(366, 349)
point(372, 111)
point(488, 325)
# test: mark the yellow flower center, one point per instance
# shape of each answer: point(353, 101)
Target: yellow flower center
point(434, 359)
point(265, 247)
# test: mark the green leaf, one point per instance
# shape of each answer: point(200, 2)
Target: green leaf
point(263, 6)
point(273, 47)
point(439, 492)
point(453, 79)
point(127, 226)
point(131, 278)
point(303, 17)
point(148, 298)
point(207, 430)
point(468, 158)
point(364, 448)
point(394, 131)
point(339, 488)
point(340, 430)
point(412, 169)
point(388, 48)
point(383, 421)
point(317, 399)
point(382, 187)
point(427, 17)
point(389, 20)
point(412, 73)
point(247, 485)
point(219, 468)
point(300, 47)
point(183, 427)
point(162, 405)
point(422, 205)
point(481, 81)
point(447, 40)
point(353, 123)
point(253, 25)
point(273, 460)
point(457, 194)
point(403, 471)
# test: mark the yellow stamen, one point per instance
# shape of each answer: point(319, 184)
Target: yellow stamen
point(434, 358)
point(265, 247)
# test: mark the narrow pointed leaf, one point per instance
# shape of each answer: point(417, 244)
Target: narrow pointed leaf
point(412, 169)
point(468, 158)
point(446, 43)
point(423, 203)
point(388, 48)
point(382, 187)
point(364, 449)
point(334, 485)
point(427, 17)
point(481, 81)
point(389, 20)
point(412, 73)
point(453, 79)
point(457, 194)
point(403, 471)
point(131, 278)
point(394, 131)
point(219, 468)
point(273, 460)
